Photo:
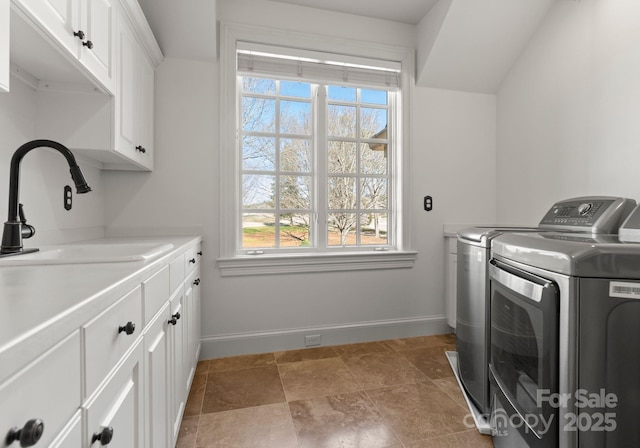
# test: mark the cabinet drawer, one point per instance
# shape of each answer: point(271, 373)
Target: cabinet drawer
point(107, 340)
point(177, 272)
point(191, 259)
point(47, 389)
point(156, 291)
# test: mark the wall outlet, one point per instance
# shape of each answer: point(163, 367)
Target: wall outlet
point(312, 340)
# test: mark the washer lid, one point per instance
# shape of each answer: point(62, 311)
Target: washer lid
point(482, 235)
point(575, 254)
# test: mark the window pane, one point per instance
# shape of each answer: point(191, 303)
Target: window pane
point(373, 229)
point(341, 121)
point(295, 117)
point(258, 153)
point(373, 96)
point(258, 230)
point(341, 229)
point(343, 158)
point(295, 155)
point(373, 193)
point(258, 85)
point(373, 123)
point(341, 93)
point(257, 191)
point(373, 158)
point(342, 193)
point(258, 114)
point(294, 230)
point(297, 89)
point(295, 192)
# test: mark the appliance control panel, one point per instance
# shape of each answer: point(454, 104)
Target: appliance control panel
point(595, 214)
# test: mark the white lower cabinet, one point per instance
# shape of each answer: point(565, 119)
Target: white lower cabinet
point(122, 378)
point(156, 377)
point(29, 403)
point(177, 370)
point(114, 415)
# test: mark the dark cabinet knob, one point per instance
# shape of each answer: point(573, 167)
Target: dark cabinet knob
point(174, 319)
point(104, 436)
point(196, 282)
point(193, 260)
point(141, 149)
point(79, 34)
point(129, 328)
point(200, 253)
point(28, 435)
point(88, 44)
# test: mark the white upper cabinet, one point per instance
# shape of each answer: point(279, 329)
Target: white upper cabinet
point(134, 102)
point(4, 45)
point(96, 52)
point(84, 29)
point(95, 60)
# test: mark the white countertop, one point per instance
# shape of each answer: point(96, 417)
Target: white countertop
point(40, 305)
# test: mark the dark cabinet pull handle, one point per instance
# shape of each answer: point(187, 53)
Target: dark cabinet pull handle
point(193, 260)
point(29, 435)
point(141, 149)
point(174, 319)
point(79, 34)
point(88, 44)
point(129, 328)
point(196, 282)
point(103, 436)
point(200, 253)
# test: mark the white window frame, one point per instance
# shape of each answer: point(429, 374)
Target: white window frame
point(234, 261)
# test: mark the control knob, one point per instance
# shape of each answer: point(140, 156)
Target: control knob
point(585, 208)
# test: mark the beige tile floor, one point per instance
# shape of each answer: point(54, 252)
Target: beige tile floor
point(398, 393)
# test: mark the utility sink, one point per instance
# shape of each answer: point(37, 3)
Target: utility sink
point(80, 253)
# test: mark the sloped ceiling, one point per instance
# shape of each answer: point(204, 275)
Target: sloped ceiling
point(470, 45)
point(467, 45)
point(405, 11)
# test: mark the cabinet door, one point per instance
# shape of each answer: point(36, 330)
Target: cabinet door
point(144, 116)
point(119, 406)
point(156, 350)
point(192, 305)
point(177, 359)
point(125, 89)
point(4, 46)
point(60, 19)
point(98, 22)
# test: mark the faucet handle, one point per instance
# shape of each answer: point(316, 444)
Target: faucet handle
point(27, 230)
point(23, 220)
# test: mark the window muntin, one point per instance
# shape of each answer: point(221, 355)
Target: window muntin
point(289, 200)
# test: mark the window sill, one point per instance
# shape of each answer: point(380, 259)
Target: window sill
point(304, 263)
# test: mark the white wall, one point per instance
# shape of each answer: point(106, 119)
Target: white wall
point(43, 175)
point(569, 110)
point(454, 135)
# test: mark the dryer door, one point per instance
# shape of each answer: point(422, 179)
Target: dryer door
point(608, 395)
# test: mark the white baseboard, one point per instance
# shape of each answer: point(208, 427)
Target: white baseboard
point(221, 346)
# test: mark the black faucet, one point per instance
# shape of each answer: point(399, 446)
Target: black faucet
point(16, 227)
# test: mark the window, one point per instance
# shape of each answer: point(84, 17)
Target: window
point(316, 166)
